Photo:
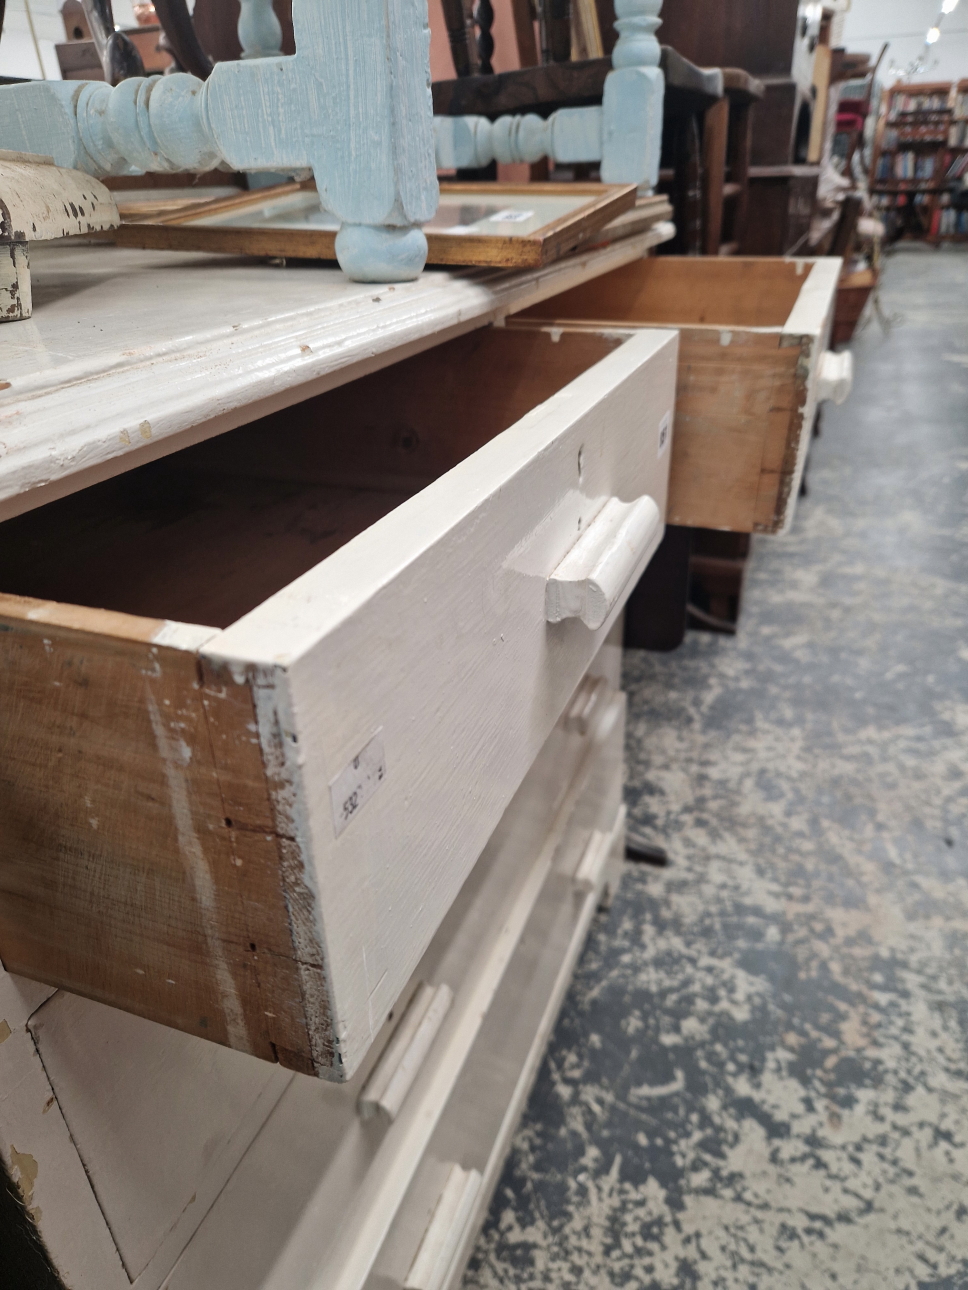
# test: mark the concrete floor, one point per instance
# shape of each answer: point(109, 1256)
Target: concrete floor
point(760, 1076)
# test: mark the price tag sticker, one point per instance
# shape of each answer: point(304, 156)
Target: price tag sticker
point(356, 783)
point(510, 217)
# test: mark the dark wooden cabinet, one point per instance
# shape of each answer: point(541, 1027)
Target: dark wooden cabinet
point(781, 202)
point(758, 35)
point(781, 123)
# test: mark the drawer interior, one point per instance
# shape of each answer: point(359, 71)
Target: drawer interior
point(684, 291)
point(206, 534)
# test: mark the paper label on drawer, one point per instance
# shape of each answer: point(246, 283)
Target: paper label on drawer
point(665, 433)
point(356, 783)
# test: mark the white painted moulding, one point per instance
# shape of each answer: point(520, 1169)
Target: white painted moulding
point(394, 1074)
point(593, 860)
point(442, 1237)
point(614, 549)
point(585, 704)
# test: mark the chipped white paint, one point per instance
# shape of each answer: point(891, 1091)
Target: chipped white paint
point(15, 293)
point(205, 351)
point(609, 557)
point(38, 202)
point(175, 755)
point(624, 134)
point(186, 636)
point(353, 103)
point(281, 755)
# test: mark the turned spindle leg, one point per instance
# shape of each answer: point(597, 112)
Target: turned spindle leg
point(381, 253)
point(485, 40)
point(117, 55)
point(260, 33)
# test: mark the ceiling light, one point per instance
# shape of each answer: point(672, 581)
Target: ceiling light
point(949, 6)
point(933, 35)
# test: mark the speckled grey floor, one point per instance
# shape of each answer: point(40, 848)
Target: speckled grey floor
point(760, 1076)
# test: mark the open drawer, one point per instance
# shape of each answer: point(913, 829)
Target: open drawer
point(753, 362)
point(250, 830)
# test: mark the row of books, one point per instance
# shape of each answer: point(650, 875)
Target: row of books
point(948, 221)
point(906, 165)
point(958, 134)
point(958, 168)
point(961, 103)
point(914, 134)
point(894, 201)
point(934, 102)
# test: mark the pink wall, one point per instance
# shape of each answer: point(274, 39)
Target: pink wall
point(505, 46)
point(505, 59)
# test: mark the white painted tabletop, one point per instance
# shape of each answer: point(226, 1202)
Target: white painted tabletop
point(133, 354)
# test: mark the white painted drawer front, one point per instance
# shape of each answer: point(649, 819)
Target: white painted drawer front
point(428, 631)
point(321, 775)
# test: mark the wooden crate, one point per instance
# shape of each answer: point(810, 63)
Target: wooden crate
point(752, 336)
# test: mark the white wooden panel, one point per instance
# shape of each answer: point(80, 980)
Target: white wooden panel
point(40, 1155)
point(430, 628)
point(159, 1118)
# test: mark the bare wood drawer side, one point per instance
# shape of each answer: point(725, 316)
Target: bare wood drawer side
point(752, 335)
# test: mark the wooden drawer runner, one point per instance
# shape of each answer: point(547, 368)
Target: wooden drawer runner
point(250, 830)
point(753, 334)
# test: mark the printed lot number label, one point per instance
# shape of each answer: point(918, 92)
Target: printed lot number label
point(356, 783)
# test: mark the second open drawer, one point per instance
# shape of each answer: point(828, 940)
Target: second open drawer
point(250, 829)
point(753, 349)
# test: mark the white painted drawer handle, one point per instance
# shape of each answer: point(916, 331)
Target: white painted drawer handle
point(391, 1078)
point(443, 1235)
point(615, 548)
point(836, 378)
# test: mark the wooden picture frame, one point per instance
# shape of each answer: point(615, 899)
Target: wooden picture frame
point(592, 207)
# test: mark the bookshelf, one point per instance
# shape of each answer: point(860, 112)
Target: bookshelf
point(920, 158)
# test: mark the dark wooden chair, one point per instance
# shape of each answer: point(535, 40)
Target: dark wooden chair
point(707, 126)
